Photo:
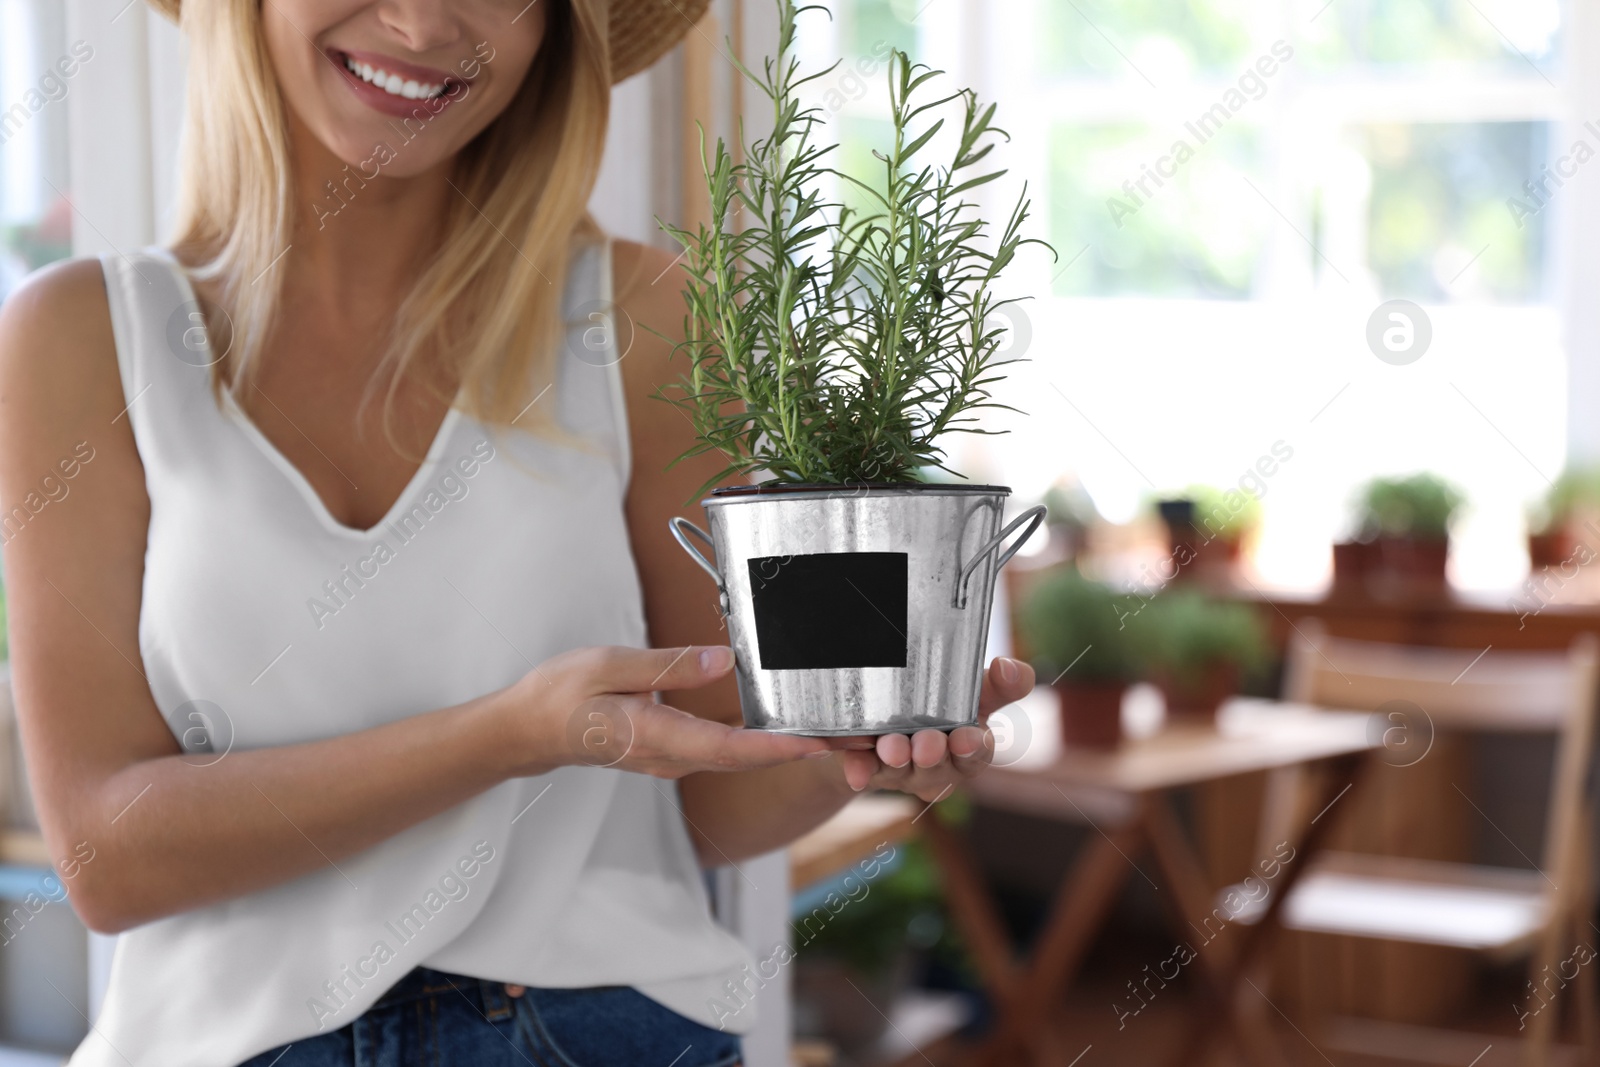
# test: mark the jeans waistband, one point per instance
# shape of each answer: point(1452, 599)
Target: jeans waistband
point(421, 982)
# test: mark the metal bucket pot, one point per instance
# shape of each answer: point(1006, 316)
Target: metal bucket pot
point(860, 610)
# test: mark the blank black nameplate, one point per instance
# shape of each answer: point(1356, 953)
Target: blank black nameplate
point(830, 610)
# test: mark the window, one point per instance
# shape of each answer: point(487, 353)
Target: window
point(1234, 188)
point(35, 218)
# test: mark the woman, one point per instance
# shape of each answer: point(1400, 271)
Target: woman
point(331, 629)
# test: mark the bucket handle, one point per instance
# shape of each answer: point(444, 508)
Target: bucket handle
point(1033, 517)
point(681, 529)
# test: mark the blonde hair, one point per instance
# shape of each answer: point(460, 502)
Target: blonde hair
point(489, 300)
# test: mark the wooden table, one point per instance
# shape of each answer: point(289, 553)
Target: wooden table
point(1125, 796)
point(852, 834)
point(1546, 618)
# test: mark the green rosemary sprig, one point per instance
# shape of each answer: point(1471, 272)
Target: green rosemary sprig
point(828, 345)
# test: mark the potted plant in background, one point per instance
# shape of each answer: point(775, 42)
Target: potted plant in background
point(1355, 562)
point(1197, 649)
point(832, 350)
point(1207, 529)
point(1078, 633)
point(1409, 520)
point(1071, 516)
point(855, 960)
point(1554, 523)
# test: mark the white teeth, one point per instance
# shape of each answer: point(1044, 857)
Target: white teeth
point(392, 83)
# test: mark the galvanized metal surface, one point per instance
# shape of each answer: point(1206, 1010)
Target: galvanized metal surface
point(944, 530)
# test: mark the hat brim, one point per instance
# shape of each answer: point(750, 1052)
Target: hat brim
point(642, 31)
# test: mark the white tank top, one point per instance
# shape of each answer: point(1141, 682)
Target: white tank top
point(264, 621)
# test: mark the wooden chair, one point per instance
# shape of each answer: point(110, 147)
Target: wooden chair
point(1503, 913)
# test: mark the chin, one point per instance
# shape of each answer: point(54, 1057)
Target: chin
point(390, 147)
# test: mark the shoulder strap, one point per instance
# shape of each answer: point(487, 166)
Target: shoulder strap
point(621, 333)
point(597, 338)
point(163, 352)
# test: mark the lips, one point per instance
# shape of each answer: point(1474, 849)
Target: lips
point(395, 87)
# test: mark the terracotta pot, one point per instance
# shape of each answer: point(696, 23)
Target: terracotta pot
point(1196, 553)
point(1550, 549)
point(1183, 540)
point(1353, 562)
point(1417, 562)
point(1216, 558)
point(837, 1002)
point(1198, 703)
point(1091, 713)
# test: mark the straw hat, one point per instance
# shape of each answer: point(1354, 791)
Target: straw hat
point(642, 31)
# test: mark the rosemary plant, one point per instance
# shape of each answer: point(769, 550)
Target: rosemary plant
point(829, 344)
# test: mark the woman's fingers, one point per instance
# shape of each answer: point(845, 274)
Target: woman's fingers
point(631, 732)
point(859, 768)
point(742, 749)
point(1005, 682)
point(971, 749)
point(645, 670)
point(928, 748)
point(672, 742)
point(894, 750)
point(926, 764)
point(665, 741)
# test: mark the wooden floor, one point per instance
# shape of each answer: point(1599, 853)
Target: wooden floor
point(1088, 1031)
point(1087, 1027)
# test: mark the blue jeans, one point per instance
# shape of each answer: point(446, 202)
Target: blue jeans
point(434, 1019)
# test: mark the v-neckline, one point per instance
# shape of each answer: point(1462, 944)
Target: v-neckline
point(313, 500)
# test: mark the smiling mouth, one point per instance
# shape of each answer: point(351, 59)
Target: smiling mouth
point(394, 84)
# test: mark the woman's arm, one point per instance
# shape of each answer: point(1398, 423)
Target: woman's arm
point(108, 775)
point(732, 816)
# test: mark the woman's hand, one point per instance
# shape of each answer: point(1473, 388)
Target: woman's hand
point(929, 763)
point(594, 707)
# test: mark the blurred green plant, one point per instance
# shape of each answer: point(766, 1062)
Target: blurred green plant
point(1183, 634)
point(1437, 186)
point(1199, 236)
point(1088, 39)
point(1071, 622)
point(1419, 506)
point(1576, 489)
point(33, 246)
point(903, 908)
point(1070, 507)
point(1075, 40)
point(893, 22)
point(1439, 190)
point(1453, 32)
point(1223, 513)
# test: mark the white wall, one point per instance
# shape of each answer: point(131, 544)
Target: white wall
point(109, 123)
